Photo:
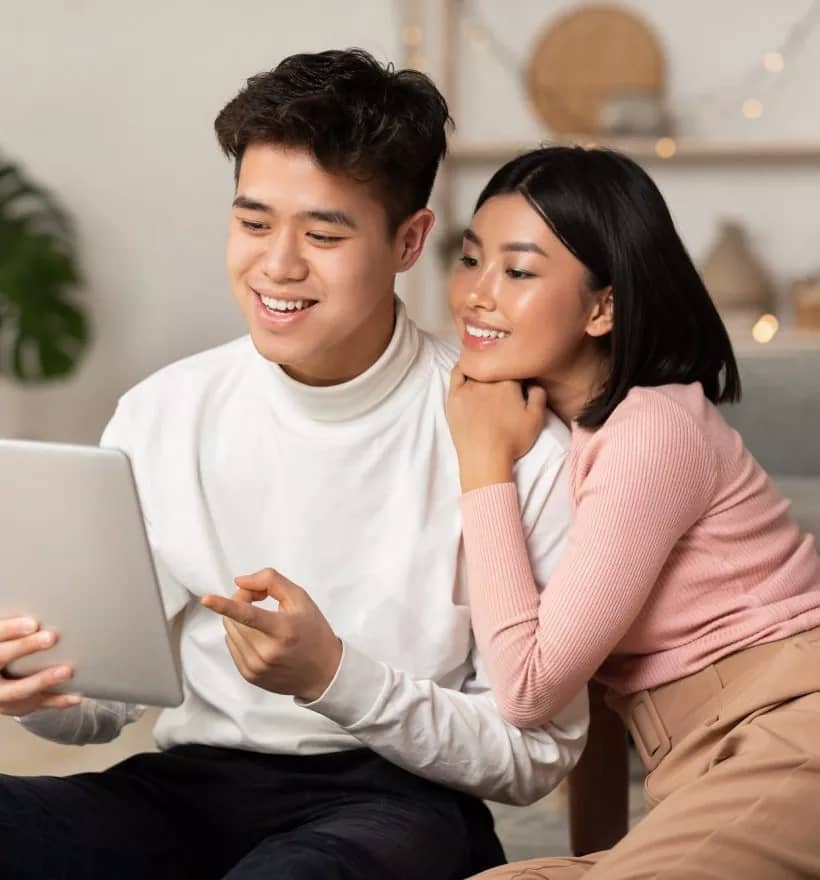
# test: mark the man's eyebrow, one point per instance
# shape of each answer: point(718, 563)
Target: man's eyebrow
point(251, 204)
point(339, 218)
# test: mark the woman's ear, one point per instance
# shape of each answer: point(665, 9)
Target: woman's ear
point(600, 318)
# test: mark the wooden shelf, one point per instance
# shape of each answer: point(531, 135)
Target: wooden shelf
point(645, 150)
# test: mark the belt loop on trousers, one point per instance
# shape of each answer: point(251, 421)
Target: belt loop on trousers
point(648, 730)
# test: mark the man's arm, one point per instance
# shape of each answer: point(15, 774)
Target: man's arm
point(452, 737)
point(92, 721)
point(459, 738)
point(456, 738)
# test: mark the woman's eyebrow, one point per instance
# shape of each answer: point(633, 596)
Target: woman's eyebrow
point(519, 247)
point(523, 247)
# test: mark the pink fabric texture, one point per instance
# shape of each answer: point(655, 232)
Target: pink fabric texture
point(681, 551)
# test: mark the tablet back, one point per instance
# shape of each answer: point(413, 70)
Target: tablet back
point(74, 555)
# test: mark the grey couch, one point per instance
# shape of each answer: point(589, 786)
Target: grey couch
point(779, 419)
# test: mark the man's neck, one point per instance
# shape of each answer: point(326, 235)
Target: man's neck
point(356, 354)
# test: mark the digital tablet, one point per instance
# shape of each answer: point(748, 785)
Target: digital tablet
point(74, 555)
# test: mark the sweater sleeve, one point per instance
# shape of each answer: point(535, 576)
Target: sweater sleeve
point(458, 738)
point(641, 484)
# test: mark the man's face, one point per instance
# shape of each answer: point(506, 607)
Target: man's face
point(311, 264)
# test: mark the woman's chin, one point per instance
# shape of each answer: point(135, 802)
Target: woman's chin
point(481, 368)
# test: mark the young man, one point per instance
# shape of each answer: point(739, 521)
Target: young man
point(352, 741)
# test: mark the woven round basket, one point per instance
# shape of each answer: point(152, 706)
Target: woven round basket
point(587, 58)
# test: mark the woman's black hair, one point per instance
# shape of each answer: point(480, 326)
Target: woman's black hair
point(607, 211)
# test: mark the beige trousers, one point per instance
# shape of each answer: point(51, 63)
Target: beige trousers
point(733, 790)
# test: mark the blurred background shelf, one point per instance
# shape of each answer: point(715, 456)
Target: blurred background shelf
point(785, 342)
point(664, 149)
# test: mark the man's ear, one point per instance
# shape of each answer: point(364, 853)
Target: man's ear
point(601, 318)
point(411, 236)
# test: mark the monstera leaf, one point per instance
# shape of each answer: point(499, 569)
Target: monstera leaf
point(43, 333)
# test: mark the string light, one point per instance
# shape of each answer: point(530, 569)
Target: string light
point(713, 103)
point(666, 147)
point(752, 108)
point(765, 329)
point(412, 35)
point(478, 34)
point(773, 62)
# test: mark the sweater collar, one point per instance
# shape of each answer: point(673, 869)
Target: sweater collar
point(350, 400)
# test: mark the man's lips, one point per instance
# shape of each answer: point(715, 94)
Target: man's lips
point(279, 312)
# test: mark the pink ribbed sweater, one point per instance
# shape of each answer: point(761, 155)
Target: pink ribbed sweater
point(681, 551)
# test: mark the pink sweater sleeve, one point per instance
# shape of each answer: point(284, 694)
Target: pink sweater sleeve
point(641, 484)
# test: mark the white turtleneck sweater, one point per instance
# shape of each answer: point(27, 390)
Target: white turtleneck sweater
point(352, 492)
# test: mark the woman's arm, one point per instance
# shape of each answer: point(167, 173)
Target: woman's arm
point(640, 485)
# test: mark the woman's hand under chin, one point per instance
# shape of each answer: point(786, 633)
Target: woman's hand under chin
point(492, 424)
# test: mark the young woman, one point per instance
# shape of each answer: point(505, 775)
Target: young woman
point(685, 588)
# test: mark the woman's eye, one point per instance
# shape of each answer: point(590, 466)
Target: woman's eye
point(252, 226)
point(469, 262)
point(518, 274)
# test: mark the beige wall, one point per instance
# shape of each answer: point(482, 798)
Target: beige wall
point(111, 103)
point(710, 49)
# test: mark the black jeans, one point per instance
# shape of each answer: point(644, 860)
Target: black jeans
point(200, 812)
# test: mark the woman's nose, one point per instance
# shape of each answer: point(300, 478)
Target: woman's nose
point(481, 295)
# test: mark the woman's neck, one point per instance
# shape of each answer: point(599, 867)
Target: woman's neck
point(569, 392)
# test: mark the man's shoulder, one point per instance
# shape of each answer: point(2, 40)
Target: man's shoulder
point(550, 448)
point(443, 351)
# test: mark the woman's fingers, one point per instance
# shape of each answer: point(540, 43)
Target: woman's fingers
point(457, 378)
point(536, 399)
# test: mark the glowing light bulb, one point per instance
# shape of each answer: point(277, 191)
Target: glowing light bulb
point(412, 35)
point(773, 62)
point(666, 147)
point(752, 108)
point(765, 328)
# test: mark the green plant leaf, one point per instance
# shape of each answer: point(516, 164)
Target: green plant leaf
point(43, 332)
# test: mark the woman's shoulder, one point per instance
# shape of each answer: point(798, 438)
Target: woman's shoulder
point(666, 421)
point(660, 435)
point(664, 406)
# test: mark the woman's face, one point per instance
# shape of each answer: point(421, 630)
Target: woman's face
point(519, 297)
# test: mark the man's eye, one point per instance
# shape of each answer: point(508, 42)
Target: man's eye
point(252, 226)
point(469, 262)
point(324, 239)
